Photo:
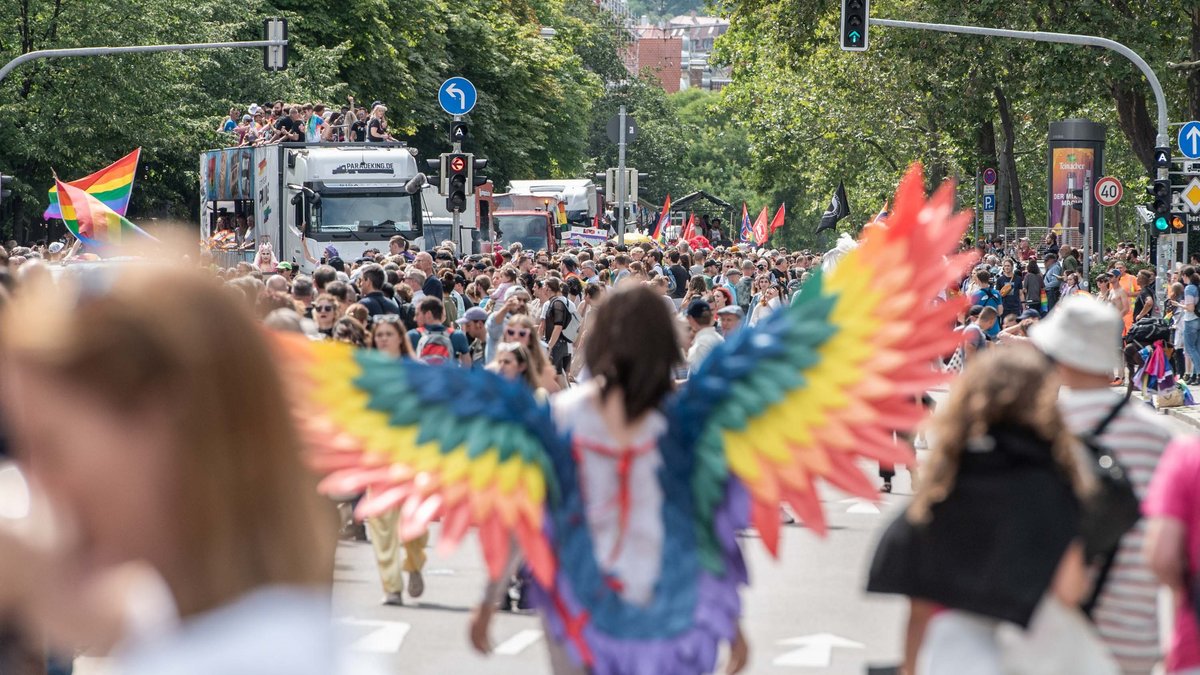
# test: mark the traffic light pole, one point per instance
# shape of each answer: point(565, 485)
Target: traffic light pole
point(138, 49)
point(456, 215)
point(1161, 142)
point(621, 180)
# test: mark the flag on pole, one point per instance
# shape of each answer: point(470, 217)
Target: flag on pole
point(91, 221)
point(689, 230)
point(777, 221)
point(883, 213)
point(747, 233)
point(664, 219)
point(839, 207)
point(112, 185)
point(761, 233)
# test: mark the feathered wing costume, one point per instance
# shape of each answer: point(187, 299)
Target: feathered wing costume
point(800, 398)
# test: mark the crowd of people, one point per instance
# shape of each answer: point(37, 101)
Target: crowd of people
point(281, 122)
point(992, 552)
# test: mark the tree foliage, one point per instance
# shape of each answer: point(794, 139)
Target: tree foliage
point(816, 115)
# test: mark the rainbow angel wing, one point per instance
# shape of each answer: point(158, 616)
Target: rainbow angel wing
point(821, 384)
point(464, 445)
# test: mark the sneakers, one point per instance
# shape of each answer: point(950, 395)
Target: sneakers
point(416, 584)
point(394, 599)
point(886, 487)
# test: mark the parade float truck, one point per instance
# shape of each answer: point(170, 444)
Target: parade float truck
point(578, 196)
point(353, 196)
point(536, 222)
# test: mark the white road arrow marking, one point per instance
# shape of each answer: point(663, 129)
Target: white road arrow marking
point(518, 643)
point(862, 506)
point(1193, 135)
point(815, 651)
point(385, 638)
point(453, 90)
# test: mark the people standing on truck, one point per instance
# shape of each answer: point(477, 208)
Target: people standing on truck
point(377, 126)
point(229, 123)
point(316, 121)
point(358, 127)
point(288, 128)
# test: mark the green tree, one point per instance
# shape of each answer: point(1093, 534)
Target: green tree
point(74, 116)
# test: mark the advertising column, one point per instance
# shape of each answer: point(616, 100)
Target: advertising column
point(1075, 148)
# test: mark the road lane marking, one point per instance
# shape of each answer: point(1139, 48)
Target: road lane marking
point(518, 643)
point(815, 651)
point(385, 636)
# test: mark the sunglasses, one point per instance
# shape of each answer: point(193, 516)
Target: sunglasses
point(517, 333)
point(325, 308)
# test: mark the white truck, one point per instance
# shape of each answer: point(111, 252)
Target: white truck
point(352, 196)
point(579, 194)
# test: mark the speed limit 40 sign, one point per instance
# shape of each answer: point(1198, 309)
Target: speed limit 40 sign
point(1109, 191)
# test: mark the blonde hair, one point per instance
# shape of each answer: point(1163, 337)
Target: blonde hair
point(247, 510)
point(1004, 387)
point(537, 358)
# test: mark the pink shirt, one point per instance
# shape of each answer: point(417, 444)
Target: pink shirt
point(1175, 493)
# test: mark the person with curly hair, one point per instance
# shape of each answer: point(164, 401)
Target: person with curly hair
point(991, 541)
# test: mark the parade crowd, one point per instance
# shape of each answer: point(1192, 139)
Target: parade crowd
point(1003, 572)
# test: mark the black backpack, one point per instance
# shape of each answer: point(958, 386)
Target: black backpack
point(1111, 510)
point(1149, 330)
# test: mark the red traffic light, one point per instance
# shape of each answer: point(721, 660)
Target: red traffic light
point(458, 163)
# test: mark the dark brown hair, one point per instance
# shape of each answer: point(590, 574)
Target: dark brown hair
point(632, 345)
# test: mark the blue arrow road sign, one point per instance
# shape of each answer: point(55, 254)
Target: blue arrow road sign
point(1189, 140)
point(989, 202)
point(457, 96)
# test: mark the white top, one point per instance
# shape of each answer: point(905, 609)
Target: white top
point(633, 557)
point(703, 343)
point(272, 631)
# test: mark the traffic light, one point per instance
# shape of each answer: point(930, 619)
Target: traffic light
point(275, 58)
point(1177, 224)
point(4, 183)
point(1162, 205)
point(434, 173)
point(855, 17)
point(456, 175)
point(477, 179)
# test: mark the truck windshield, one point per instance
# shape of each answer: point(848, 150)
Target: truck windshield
point(385, 212)
point(529, 230)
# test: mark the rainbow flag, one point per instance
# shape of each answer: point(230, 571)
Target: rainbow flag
point(664, 219)
point(112, 185)
point(91, 220)
point(1045, 302)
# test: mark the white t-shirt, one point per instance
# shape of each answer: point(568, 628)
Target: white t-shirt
point(633, 557)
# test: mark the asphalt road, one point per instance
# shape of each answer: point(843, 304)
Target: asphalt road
point(805, 612)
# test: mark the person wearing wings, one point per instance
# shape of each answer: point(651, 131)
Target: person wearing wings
point(623, 495)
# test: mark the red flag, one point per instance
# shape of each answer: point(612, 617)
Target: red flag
point(689, 230)
point(777, 221)
point(761, 233)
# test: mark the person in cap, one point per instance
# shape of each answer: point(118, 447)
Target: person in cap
point(286, 269)
point(474, 325)
point(730, 320)
point(704, 336)
point(1082, 337)
point(992, 536)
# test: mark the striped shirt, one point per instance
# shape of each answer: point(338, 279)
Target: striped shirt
point(1127, 612)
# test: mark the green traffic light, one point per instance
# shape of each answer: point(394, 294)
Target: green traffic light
point(1161, 224)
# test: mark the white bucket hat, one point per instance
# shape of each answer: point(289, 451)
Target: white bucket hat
point(1082, 333)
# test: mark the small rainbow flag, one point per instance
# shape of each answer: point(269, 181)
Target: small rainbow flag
point(1045, 302)
point(112, 185)
point(664, 219)
point(91, 220)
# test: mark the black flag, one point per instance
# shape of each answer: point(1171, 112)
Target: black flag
point(839, 207)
